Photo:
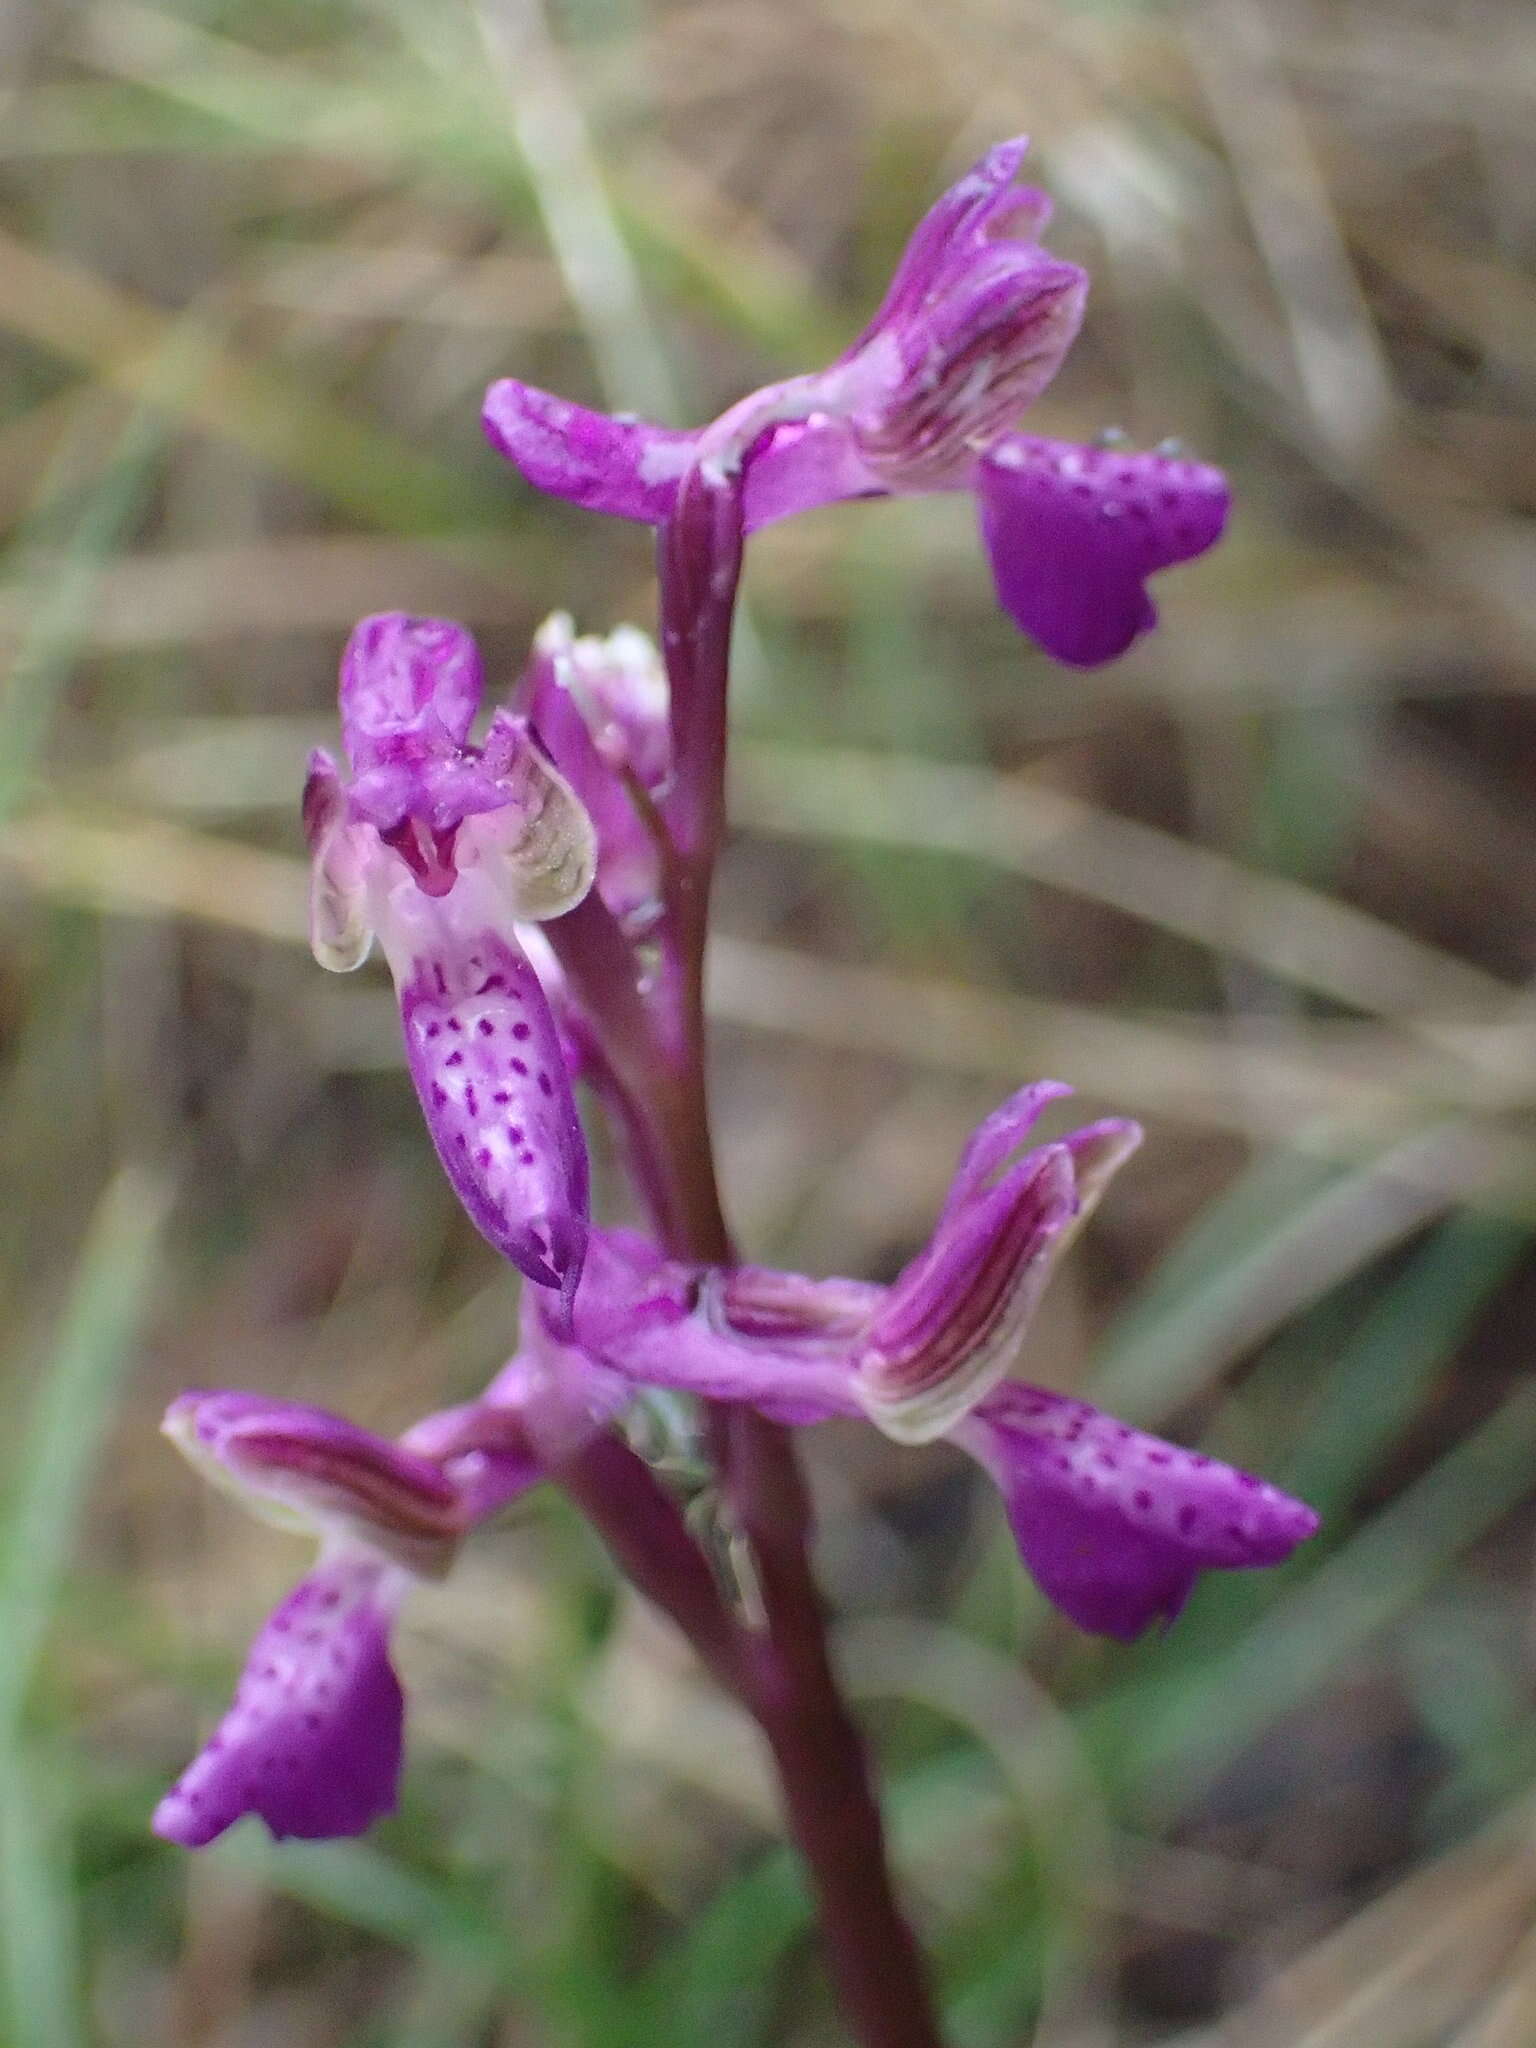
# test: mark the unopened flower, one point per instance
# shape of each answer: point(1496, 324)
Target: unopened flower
point(599, 707)
point(1114, 1524)
point(441, 848)
point(974, 326)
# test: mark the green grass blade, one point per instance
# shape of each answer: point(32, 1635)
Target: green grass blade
point(716, 1982)
point(1176, 1742)
point(1390, 1365)
point(51, 640)
point(56, 1454)
point(40, 1939)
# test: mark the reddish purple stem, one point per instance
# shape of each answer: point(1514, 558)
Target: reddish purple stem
point(783, 1671)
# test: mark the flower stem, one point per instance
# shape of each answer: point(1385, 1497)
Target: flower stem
point(650, 1542)
point(791, 1687)
point(823, 1768)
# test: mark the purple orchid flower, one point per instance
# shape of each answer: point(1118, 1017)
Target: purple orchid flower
point(1114, 1524)
point(312, 1743)
point(974, 326)
point(442, 848)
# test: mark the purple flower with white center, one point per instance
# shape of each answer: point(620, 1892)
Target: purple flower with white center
point(974, 326)
point(1115, 1525)
point(441, 848)
point(313, 1740)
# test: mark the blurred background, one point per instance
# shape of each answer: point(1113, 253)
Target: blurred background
point(1268, 884)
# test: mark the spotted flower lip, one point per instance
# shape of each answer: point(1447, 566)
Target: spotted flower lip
point(312, 1741)
point(444, 849)
point(974, 326)
point(1115, 1525)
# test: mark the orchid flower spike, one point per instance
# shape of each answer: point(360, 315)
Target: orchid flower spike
point(1115, 1525)
point(441, 848)
point(974, 326)
point(312, 1742)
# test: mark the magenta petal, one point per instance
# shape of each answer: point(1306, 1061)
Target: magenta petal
point(959, 216)
point(625, 467)
point(662, 1324)
point(802, 464)
point(305, 1465)
point(1073, 533)
point(484, 1052)
point(1116, 1525)
point(995, 1140)
point(952, 1321)
point(1110, 1589)
point(407, 682)
point(312, 1742)
point(631, 469)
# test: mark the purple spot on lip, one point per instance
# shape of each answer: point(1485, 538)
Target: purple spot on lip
point(521, 1030)
point(519, 1067)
